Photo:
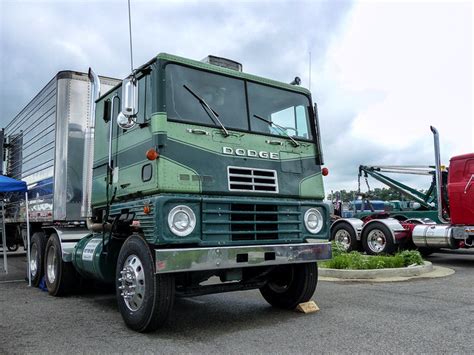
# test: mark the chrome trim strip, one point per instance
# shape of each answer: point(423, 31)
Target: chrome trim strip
point(272, 180)
point(199, 259)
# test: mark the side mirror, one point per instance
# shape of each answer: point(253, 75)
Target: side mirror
point(129, 103)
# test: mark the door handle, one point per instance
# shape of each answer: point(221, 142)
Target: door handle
point(197, 131)
point(468, 184)
point(274, 142)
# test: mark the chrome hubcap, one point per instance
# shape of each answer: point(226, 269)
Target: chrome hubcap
point(344, 238)
point(51, 264)
point(33, 263)
point(376, 241)
point(132, 283)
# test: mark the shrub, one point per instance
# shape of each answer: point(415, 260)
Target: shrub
point(411, 257)
point(357, 261)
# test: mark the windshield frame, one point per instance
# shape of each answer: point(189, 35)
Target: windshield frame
point(309, 109)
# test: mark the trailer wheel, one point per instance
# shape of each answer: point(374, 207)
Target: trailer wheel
point(290, 285)
point(59, 275)
point(377, 239)
point(345, 236)
point(13, 247)
point(38, 245)
point(144, 299)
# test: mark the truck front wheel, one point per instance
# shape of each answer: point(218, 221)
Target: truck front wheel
point(144, 299)
point(290, 285)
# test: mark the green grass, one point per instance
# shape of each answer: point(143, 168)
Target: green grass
point(357, 261)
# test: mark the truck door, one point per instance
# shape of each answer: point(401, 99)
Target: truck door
point(461, 190)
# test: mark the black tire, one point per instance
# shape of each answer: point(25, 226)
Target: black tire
point(375, 231)
point(344, 234)
point(37, 248)
point(290, 285)
point(149, 311)
point(13, 247)
point(60, 276)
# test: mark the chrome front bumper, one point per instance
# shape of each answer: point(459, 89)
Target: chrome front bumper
point(199, 259)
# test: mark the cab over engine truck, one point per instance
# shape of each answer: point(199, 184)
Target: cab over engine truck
point(193, 170)
point(379, 234)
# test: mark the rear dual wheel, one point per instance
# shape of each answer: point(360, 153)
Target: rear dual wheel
point(60, 276)
point(343, 234)
point(37, 248)
point(377, 239)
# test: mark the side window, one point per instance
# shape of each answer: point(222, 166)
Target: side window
point(148, 98)
point(469, 171)
point(302, 123)
point(142, 93)
point(293, 119)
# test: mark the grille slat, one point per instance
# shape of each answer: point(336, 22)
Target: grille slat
point(251, 179)
point(242, 221)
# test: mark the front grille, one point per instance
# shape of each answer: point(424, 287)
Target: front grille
point(240, 221)
point(250, 179)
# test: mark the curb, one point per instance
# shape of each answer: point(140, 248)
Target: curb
point(405, 272)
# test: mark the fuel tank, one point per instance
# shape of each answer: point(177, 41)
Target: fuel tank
point(434, 236)
point(93, 261)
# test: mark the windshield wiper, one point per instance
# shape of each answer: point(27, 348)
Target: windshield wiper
point(295, 143)
point(214, 115)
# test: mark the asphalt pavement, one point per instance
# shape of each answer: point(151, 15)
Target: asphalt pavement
point(418, 316)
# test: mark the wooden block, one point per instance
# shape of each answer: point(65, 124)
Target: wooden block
point(307, 307)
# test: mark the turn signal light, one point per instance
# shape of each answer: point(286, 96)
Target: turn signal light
point(152, 154)
point(324, 171)
point(146, 209)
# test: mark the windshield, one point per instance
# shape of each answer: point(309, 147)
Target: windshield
point(223, 94)
point(237, 103)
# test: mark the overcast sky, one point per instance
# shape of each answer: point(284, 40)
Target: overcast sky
point(382, 72)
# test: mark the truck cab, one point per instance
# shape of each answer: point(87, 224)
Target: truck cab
point(200, 170)
point(461, 189)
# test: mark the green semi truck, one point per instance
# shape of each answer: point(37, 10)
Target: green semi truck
point(197, 178)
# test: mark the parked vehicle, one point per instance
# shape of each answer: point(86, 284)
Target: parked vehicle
point(379, 233)
point(190, 170)
point(421, 204)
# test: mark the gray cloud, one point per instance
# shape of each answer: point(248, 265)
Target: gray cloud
point(270, 38)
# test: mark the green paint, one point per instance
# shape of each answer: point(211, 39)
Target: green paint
point(312, 187)
point(192, 168)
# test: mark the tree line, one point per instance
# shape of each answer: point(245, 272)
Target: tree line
point(385, 194)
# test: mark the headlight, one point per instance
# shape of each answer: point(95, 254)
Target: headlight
point(313, 220)
point(181, 220)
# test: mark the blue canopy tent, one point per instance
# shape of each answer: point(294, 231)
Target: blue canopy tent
point(8, 184)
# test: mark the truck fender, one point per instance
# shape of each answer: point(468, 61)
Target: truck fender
point(68, 237)
point(354, 223)
point(392, 224)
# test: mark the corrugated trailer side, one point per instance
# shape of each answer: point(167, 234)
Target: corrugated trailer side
point(45, 147)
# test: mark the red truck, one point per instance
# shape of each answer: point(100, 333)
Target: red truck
point(378, 234)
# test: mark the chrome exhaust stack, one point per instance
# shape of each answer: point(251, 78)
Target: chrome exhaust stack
point(438, 175)
point(436, 235)
point(88, 161)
